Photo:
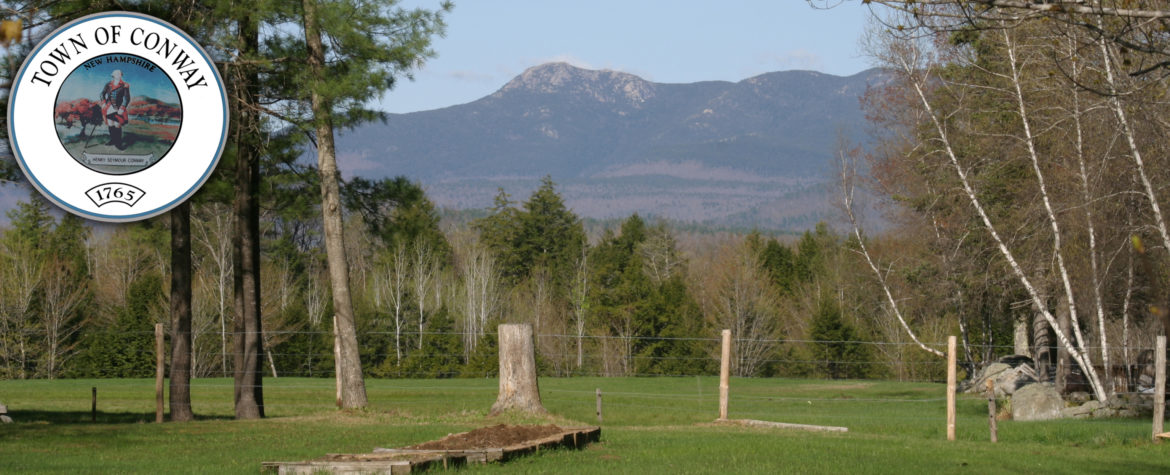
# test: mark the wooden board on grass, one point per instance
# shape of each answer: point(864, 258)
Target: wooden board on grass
point(408, 460)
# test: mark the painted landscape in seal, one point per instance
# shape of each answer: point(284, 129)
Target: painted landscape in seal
point(118, 114)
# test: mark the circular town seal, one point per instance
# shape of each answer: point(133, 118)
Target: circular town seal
point(117, 117)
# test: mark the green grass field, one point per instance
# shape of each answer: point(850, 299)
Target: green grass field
point(650, 425)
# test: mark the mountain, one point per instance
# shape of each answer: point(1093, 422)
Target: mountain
point(566, 121)
point(716, 152)
point(753, 153)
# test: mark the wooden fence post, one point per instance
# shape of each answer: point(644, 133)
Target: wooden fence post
point(598, 406)
point(991, 410)
point(1159, 385)
point(951, 385)
point(159, 370)
point(724, 374)
point(93, 407)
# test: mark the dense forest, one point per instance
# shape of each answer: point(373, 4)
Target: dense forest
point(633, 298)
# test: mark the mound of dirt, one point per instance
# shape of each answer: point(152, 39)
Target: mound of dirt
point(496, 436)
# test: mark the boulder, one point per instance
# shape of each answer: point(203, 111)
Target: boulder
point(5, 420)
point(3, 408)
point(1037, 402)
point(1009, 374)
point(1082, 411)
point(978, 385)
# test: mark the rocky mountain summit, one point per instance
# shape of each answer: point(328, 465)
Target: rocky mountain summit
point(754, 153)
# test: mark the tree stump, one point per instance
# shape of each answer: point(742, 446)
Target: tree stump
point(518, 387)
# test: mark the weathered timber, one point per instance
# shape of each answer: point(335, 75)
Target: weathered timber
point(1159, 386)
point(780, 425)
point(951, 386)
point(399, 461)
point(724, 374)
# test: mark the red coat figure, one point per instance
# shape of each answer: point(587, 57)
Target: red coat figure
point(115, 99)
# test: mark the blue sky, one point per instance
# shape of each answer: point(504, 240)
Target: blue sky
point(490, 42)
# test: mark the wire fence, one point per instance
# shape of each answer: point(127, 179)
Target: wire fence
point(587, 393)
point(558, 355)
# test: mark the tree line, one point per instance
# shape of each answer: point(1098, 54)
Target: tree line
point(638, 298)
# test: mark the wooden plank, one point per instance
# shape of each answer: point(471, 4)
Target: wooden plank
point(408, 460)
point(782, 425)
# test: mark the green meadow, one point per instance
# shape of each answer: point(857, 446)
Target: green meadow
point(650, 425)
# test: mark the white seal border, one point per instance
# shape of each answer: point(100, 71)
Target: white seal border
point(117, 218)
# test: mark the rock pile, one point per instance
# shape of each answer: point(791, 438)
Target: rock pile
point(1008, 374)
point(1094, 409)
point(1014, 378)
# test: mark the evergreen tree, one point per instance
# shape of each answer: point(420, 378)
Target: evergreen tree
point(440, 356)
point(780, 263)
point(125, 350)
point(835, 343)
point(676, 318)
point(654, 318)
point(397, 210)
point(544, 234)
point(370, 44)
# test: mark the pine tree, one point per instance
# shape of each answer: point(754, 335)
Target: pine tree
point(544, 234)
point(370, 44)
point(835, 343)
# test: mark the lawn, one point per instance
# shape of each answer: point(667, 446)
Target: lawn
point(650, 425)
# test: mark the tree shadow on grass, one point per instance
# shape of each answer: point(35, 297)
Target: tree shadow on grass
point(86, 417)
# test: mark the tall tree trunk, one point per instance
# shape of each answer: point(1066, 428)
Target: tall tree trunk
point(353, 393)
point(181, 313)
point(248, 363)
point(519, 390)
point(1127, 130)
point(1063, 361)
point(1069, 320)
point(1041, 343)
point(1125, 306)
point(1020, 335)
point(1088, 202)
